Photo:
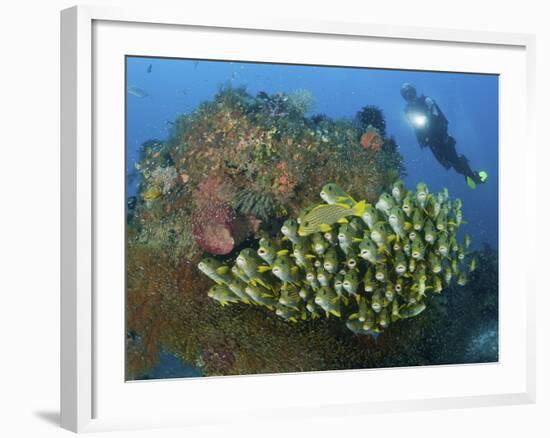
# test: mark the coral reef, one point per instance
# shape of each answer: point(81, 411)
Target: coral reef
point(264, 144)
point(371, 139)
point(371, 115)
point(376, 268)
point(217, 229)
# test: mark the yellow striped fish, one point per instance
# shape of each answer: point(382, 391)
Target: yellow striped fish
point(323, 216)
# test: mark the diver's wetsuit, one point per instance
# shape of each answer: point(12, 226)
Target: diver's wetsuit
point(433, 133)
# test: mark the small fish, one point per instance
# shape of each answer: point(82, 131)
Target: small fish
point(429, 232)
point(370, 216)
point(389, 292)
point(417, 250)
point(383, 318)
point(351, 283)
point(421, 194)
point(319, 244)
point(131, 203)
point(290, 230)
point(303, 259)
point(453, 244)
point(399, 286)
point(418, 220)
point(353, 259)
point(322, 217)
point(261, 295)
point(333, 194)
point(290, 296)
point(395, 314)
point(238, 288)
point(330, 261)
point(370, 320)
point(462, 279)
point(315, 310)
point(152, 193)
point(398, 191)
point(385, 203)
point(346, 238)
point(327, 299)
point(412, 265)
point(355, 326)
point(454, 266)
point(267, 250)
point(287, 313)
point(437, 284)
point(433, 207)
point(408, 205)
point(357, 226)
point(339, 284)
point(461, 254)
point(467, 241)
point(441, 222)
point(442, 246)
point(215, 270)
point(435, 263)
point(361, 314)
point(412, 310)
point(368, 281)
point(369, 251)
point(407, 246)
point(377, 301)
point(443, 196)
point(222, 294)
point(311, 279)
point(251, 265)
point(420, 285)
point(379, 235)
point(285, 270)
point(305, 293)
point(137, 92)
point(447, 275)
point(323, 277)
point(331, 236)
point(396, 220)
point(380, 274)
point(239, 273)
point(472, 265)
point(400, 263)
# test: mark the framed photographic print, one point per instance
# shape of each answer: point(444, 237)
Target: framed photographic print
point(335, 217)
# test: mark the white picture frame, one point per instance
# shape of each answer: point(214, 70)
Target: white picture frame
point(86, 382)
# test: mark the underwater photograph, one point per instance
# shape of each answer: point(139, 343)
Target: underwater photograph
point(286, 218)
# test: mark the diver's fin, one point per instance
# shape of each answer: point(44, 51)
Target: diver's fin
point(483, 176)
point(471, 183)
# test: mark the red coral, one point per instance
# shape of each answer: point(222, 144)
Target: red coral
point(285, 181)
point(372, 140)
point(217, 229)
point(214, 189)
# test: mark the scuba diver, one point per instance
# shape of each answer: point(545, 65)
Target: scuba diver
point(430, 126)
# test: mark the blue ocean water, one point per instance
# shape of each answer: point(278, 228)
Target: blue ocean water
point(469, 102)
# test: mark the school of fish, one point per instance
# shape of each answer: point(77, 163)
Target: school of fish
point(367, 264)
